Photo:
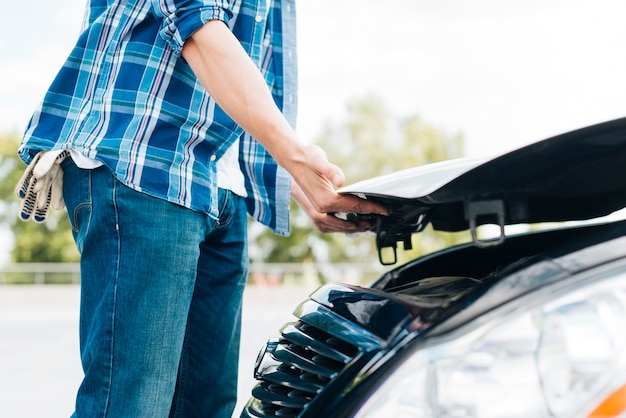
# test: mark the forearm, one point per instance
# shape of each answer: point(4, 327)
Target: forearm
point(232, 79)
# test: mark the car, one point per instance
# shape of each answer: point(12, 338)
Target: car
point(528, 319)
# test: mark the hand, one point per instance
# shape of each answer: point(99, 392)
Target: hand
point(41, 185)
point(325, 222)
point(319, 176)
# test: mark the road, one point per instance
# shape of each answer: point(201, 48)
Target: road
point(39, 361)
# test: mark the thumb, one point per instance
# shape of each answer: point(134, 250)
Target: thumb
point(320, 162)
point(336, 175)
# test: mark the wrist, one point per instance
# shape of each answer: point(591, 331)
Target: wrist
point(289, 154)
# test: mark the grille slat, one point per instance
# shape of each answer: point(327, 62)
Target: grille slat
point(301, 358)
point(294, 378)
point(276, 395)
point(310, 353)
point(326, 346)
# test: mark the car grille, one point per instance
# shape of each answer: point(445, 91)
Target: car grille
point(293, 369)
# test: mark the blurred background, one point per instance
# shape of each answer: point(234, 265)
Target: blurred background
point(381, 89)
point(383, 86)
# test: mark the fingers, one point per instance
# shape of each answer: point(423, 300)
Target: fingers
point(335, 175)
point(332, 202)
point(353, 204)
point(329, 223)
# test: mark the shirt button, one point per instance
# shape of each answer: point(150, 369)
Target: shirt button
point(213, 158)
point(258, 18)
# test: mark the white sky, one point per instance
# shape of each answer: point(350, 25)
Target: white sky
point(501, 73)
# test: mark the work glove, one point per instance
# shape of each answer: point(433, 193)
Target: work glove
point(41, 185)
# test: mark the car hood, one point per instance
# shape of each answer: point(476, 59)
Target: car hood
point(577, 175)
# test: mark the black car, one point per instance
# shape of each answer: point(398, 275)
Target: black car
point(524, 324)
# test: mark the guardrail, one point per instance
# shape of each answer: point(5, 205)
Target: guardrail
point(260, 273)
point(40, 273)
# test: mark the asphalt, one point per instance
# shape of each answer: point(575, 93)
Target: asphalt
point(39, 361)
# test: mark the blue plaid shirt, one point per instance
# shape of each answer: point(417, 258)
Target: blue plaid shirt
point(126, 98)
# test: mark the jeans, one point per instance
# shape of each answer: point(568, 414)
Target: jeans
point(161, 294)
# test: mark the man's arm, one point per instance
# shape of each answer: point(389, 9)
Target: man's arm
point(236, 84)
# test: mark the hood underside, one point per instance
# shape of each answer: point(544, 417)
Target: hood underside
point(578, 175)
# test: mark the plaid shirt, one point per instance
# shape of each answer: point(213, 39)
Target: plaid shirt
point(126, 98)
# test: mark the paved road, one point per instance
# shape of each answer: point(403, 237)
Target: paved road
point(39, 361)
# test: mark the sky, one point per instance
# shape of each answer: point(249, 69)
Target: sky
point(500, 73)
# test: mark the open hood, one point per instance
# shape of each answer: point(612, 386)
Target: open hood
point(573, 176)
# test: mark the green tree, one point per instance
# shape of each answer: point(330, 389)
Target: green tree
point(47, 242)
point(372, 141)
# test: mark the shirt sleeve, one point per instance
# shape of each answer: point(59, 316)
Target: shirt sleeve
point(181, 18)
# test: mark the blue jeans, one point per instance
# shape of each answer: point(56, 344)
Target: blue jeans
point(161, 294)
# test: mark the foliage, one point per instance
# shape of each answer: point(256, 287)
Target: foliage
point(48, 242)
point(370, 142)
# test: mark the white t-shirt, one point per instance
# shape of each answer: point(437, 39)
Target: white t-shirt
point(229, 175)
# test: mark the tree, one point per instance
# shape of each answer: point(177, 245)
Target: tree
point(47, 242)
point(370, 142)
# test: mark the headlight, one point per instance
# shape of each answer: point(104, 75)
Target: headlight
point(554, 353)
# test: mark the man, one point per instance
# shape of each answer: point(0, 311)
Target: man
point(176, 116)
